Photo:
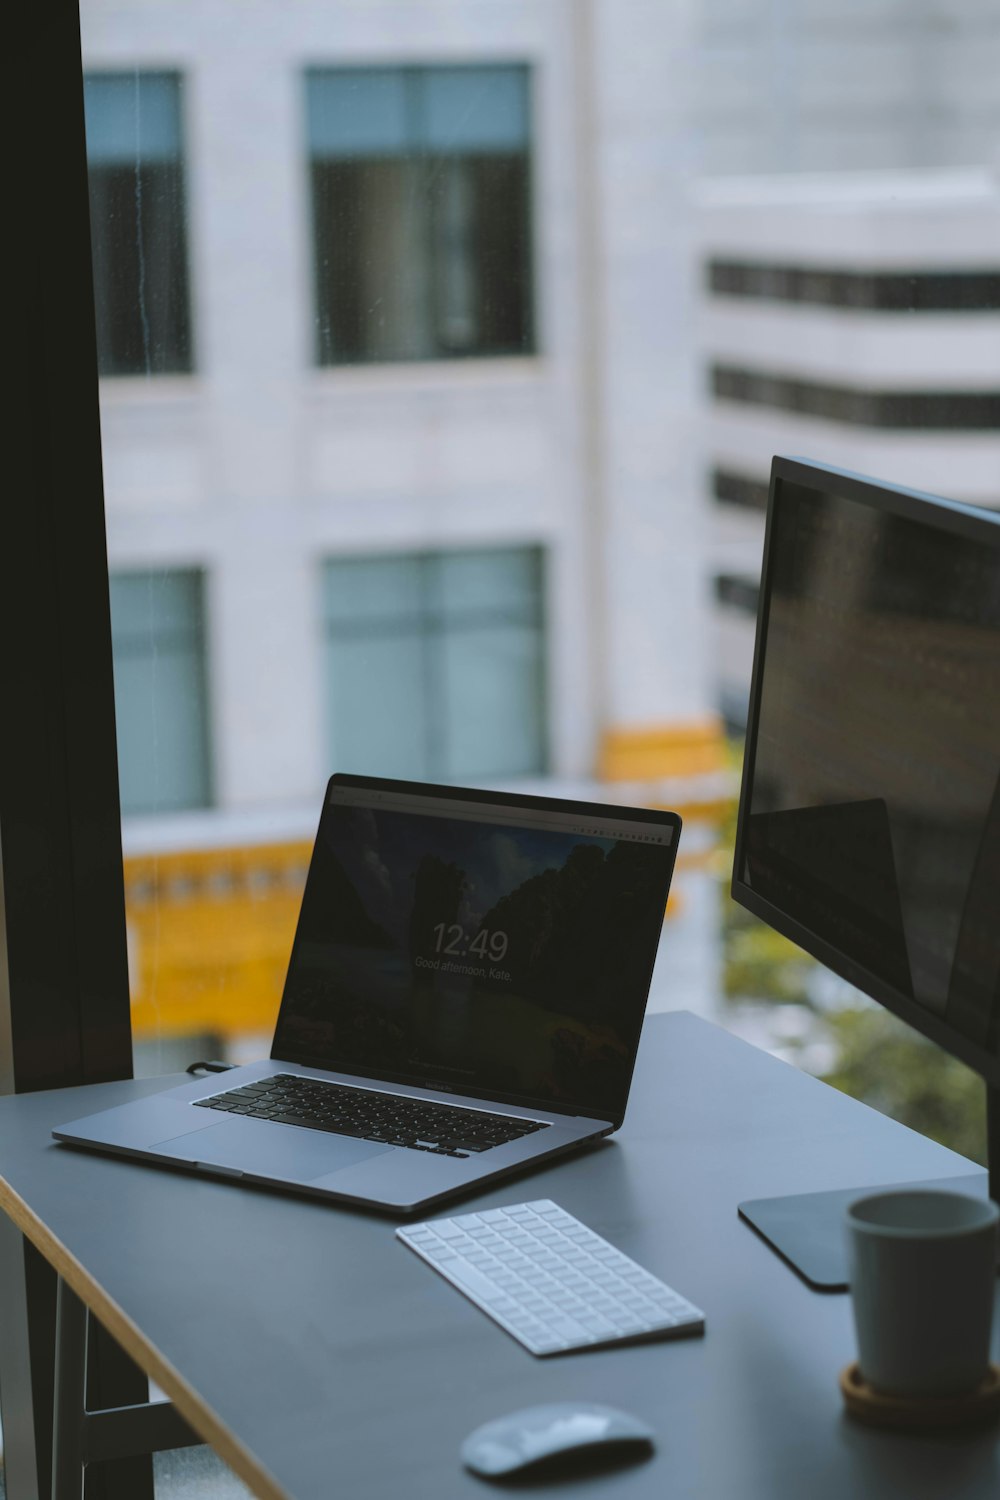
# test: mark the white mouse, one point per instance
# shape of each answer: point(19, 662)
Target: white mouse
point(559, 1436)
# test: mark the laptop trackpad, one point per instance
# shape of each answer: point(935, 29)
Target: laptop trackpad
point(267, 1149)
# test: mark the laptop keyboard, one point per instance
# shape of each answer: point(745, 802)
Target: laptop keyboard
point(371, 1115)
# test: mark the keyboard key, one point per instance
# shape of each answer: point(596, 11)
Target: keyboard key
point(628, 1324)
point(448, 1230)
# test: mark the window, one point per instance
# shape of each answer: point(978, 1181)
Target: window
point(138, 234)
point(883, 291)
point(966, 411)
point(421, 215)
point(732, 488)
point(157, 636)
point(435, 664)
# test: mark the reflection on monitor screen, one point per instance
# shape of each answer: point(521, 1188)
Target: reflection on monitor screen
point(871, 810)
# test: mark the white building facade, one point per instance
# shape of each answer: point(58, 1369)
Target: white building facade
point(853, 319)
point(263, 467)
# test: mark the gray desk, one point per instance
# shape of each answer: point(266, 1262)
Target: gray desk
point(321, 1358)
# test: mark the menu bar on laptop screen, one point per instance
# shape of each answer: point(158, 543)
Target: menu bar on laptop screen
point(478, 812)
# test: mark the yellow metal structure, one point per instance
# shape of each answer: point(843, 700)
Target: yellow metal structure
point(209, 935)
point(651, 753)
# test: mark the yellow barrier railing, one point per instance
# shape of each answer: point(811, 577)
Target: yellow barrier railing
point(209, 934)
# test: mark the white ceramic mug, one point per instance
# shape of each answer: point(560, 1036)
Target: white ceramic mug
point(923, 1269)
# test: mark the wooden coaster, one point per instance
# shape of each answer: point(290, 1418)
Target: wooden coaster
point(880, 1410)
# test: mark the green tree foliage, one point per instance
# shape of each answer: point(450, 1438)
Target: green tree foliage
point(760, 964)
point(891, 1067)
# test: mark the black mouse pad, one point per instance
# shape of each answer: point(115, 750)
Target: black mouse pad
point(807, 1229)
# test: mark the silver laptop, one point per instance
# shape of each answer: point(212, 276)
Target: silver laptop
point(464, 999)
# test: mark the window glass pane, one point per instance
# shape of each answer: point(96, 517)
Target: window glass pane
point(504, 579)
point(132, 117)
point(376, 665)
point(474, 109)
point(421, 213)
point(491, 702)
point(160, 691)
point(138, 223)
point(167, 603)
point(358, 112)
point(372, 263)
point(379, 709)
point(455, 280)
point(478, 227)
point(435, 663)
point(371, 590)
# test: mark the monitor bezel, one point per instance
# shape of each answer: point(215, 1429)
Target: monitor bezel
point(967, 521)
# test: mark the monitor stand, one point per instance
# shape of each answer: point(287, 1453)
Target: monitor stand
point(807, 1229)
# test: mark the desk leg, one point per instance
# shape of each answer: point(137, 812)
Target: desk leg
point(70, 1396)
point(27, 1318)
point(27, 1384)
point(86, 1442)
point(113, 1379)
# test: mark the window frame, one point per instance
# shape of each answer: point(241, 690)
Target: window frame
point(64, 1000)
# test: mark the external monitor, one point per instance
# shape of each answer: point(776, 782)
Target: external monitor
point(869, 820)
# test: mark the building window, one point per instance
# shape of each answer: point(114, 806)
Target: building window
point(738, 591)
point(421, 212)
point(875, 291)
point(161, 699)
point(138, 229)
point(965, 411)
point(730, 488)
point(435, 664)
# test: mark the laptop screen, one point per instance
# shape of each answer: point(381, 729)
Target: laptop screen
point(498, 948)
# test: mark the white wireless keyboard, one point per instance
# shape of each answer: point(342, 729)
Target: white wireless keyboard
point(549, 1280)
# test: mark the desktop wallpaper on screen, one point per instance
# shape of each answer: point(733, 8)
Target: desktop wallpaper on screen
point(476, 956)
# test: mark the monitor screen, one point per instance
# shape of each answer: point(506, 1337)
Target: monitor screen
point(869, 827)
